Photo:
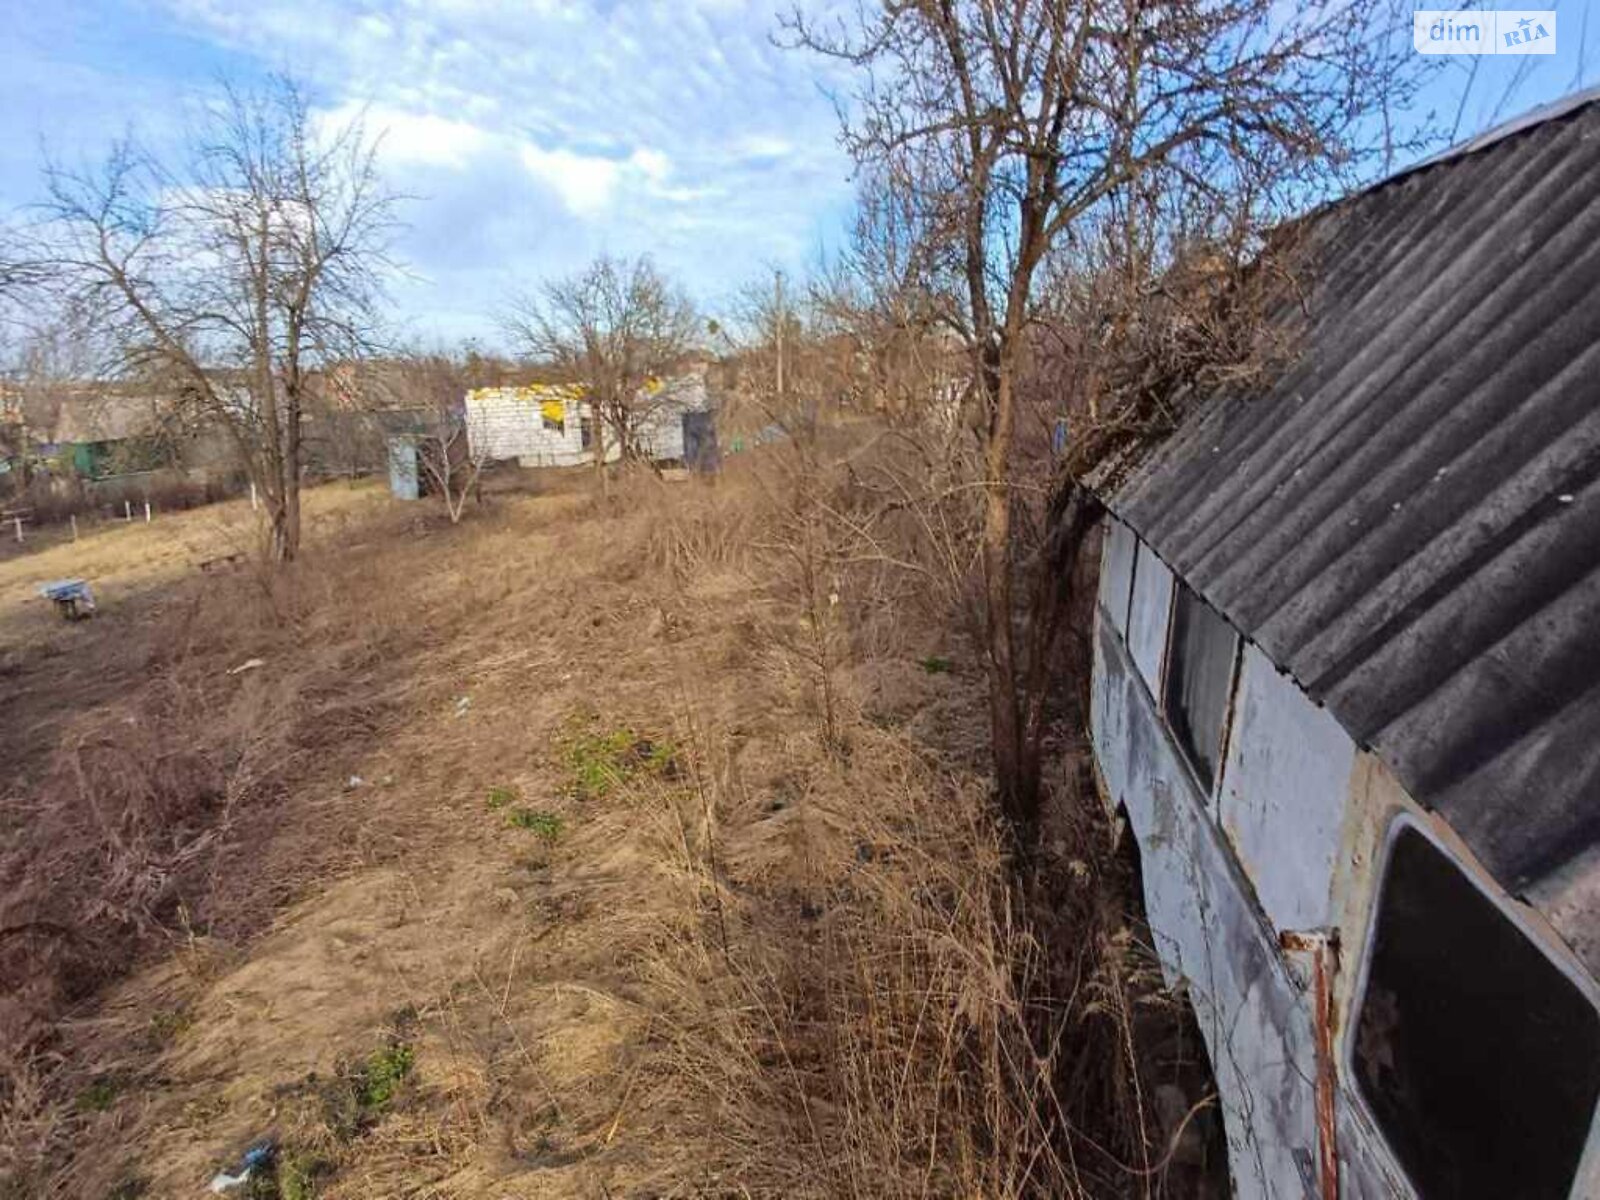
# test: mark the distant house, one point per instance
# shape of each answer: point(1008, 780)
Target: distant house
point(1347, 690)
point(104, 430)
point(88, 429)
point(552, 425)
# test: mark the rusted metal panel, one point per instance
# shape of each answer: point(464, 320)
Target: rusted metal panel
point(1257, 1010)
point(1409, 521)
point(1322, 949)
point(1284, 792)
point(1147, 620)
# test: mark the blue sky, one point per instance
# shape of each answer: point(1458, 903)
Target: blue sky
point(534, 134)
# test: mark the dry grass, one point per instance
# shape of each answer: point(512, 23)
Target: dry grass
point(644, 829)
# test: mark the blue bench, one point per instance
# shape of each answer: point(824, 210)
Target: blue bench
point(71, 596)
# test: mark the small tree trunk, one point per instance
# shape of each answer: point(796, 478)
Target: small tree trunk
point(283, 507)
point(291, 521)
point(282, 549)
point(456, 490)
point(291, 475)
point(1016, 770)
point(1018, 795)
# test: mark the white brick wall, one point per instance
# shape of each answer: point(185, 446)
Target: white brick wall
point(509, 423)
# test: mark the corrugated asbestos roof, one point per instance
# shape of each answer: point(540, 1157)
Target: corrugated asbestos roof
point(1409, 523)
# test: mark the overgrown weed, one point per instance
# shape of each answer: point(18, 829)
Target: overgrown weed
point(547, 825)
point(599, 760)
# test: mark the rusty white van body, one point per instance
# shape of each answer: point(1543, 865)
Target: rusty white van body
point(1347, 690)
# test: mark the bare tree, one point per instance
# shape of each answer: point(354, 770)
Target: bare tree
point(239, 273)
point(614, 327)
point(999, 141)
point(432, 387)
point(454, 459)
point(799, 352)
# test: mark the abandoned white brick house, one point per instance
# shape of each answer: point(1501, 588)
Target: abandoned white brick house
point(551, 425)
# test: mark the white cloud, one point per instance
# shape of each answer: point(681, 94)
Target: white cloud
point(376, 27)
point(588, 184)
point(413, 138)
point(762, 145)
point(655, 165)
point(584, 183)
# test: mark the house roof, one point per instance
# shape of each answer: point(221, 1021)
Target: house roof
point(1408, 523)
point(104, 413)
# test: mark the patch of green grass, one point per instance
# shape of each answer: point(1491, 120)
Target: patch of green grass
point(935, 665)
point(546, 824)
point(383, 1074)
point(601, 760)
point(295, 1175)
point(299, 1172)
point(360, 1092)
point(502, 797)
point(100, 1095)
point(661, 758)
point(340, 1108)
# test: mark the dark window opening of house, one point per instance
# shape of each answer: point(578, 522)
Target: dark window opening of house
point(1478, 1056)
point(555, 424)
point(585, 433)
point(1199, 680)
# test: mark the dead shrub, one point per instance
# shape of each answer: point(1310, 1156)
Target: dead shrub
point(853, 1001)
point(862, 1033)
point(862, 994)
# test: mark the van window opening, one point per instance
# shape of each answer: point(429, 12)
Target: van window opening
point(1199, 681)
point(1477, 1054)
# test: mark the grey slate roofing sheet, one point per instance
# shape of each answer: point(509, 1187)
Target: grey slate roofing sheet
point(1409, 522)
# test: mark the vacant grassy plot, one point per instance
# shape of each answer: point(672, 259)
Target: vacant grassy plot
point(573, 851)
